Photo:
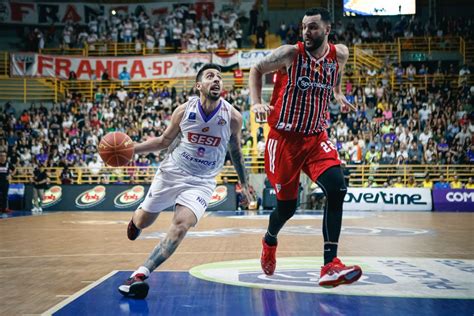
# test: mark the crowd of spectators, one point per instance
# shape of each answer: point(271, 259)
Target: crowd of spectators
point(409, 126)
point(357, 31)
point(182, 28)
point(67, 134)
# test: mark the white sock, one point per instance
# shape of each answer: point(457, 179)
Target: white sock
point(142, 270)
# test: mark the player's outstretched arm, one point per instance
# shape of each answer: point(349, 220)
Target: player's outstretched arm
point(342, 55)
point(282, 57)
point(170, 133)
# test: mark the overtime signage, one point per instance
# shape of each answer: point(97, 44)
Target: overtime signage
point(88, 68)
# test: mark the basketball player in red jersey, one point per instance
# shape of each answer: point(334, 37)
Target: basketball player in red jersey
point(309, 73)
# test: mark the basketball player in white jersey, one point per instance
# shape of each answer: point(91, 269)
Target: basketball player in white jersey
point(200, 131)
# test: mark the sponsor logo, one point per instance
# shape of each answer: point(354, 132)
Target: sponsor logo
point(391, 277)
point(201, 151)
point(52, 196)
point(206, 140)
point(203, 162)
point(91, 197)
point(305, 83)
point(460, 196)
point(201, 201)
point(386, 198)
point(205, 129)
point(130, 197)
point(221, 121)
point(25, 62)
point(192, 116)
point(218, 196)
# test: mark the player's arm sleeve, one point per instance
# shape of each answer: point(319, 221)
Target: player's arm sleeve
point(342, 55)
point(235, 149)
point(170, 133)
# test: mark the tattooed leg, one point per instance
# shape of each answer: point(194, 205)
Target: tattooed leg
point(183, 219)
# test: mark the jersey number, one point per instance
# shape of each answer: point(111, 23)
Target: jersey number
point(328, 146)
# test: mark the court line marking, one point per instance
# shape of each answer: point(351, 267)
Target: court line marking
point(77, 294)
point(361, 252)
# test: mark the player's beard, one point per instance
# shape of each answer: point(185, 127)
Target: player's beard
point(317, 42)
point(212, 96)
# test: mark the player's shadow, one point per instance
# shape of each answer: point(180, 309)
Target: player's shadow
point(130, 306)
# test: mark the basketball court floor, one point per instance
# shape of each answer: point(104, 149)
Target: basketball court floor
point(71, 263)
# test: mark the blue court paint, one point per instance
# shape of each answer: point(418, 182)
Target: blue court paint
point(178, 293)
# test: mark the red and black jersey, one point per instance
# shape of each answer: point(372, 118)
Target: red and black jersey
point(301, 96)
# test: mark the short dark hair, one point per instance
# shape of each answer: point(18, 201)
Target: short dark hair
point(206, 67)
point(325, 15)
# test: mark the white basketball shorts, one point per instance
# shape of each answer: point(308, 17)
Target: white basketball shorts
point(171, 187)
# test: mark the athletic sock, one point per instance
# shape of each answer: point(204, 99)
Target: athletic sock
point(330, 252)
point(142, 270)
point(270, 240)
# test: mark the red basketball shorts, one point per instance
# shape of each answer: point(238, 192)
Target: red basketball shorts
point(287, 154)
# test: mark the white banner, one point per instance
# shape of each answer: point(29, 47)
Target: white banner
point(388, 199)
point(249, 58)
point(47, 13)
point(86, 68)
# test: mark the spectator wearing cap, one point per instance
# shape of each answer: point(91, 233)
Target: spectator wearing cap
point(370, 183)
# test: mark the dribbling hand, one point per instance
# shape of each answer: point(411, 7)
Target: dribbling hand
point(261, 111)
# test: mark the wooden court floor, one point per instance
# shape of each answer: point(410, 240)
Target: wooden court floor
point(44, 259)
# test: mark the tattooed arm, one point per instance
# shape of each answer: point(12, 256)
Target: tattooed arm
point(342, 55)
point(236, 155)
point(281, 57)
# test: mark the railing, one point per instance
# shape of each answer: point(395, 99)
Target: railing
point(4, 64)
point(382, 173)
point(27, 89)
point(88, 87)
point(430, 44)
point(359, 174)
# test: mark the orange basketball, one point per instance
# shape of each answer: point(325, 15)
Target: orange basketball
point(116, 149)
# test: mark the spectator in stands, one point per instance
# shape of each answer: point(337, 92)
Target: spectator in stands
point(398, 183)
point(411, 182)
point(456, 184)
point(442, 183)
point(470, 184)
point(370, 183)
point(124, 76)
point(66, 175)
point(427, 183)
point(40, 182)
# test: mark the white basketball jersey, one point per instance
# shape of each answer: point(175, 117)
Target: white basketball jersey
point(203, 140)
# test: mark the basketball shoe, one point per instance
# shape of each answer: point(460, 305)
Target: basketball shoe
point(133, 231)
point(336, 273)
point(268, 258)
point(135, 287)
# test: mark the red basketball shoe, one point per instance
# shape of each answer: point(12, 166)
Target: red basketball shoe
point(336, 273)
point(267, 259)
point(135, 287)
point(133, 231)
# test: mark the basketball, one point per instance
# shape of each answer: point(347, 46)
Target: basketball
point(116, 149)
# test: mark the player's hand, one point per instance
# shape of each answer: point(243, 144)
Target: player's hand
point(247, 198)
point(346, 106)
point(261, 111)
